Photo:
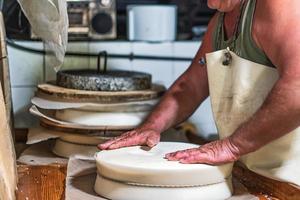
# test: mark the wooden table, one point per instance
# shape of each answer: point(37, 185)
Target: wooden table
point(48, 183)
point(41, 182)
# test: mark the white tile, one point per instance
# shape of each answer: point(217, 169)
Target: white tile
point(21, 104)
point(180, 67)
point(26, 68)
point(123, 48)
point(186, 49)
point(70, 62)
point(162, 71)
point(73, 62)
point(153, 49)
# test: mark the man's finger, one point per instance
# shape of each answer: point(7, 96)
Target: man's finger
point(108, 143)
point(128, 142)
point(105, 145)
point(152, 140)
point(180, 154)
point(200, 158)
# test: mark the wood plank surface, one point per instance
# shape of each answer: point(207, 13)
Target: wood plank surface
point(80, 130)
point(48, 183)
point(41, 182)
point(53, 92)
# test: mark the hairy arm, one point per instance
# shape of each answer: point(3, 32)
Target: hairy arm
point(185, 95)
point(277, 32)
point(280, 112)
point(179, 102)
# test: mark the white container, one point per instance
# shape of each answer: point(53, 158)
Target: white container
point(152, 23)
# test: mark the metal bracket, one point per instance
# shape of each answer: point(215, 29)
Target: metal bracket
point(100, 54)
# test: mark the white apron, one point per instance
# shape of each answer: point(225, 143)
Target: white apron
point(237, 91)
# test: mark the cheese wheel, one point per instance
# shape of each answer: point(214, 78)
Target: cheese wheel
point(89, 118)
point(140, 166)
point(136, 106)
point(122, 191)
point(83, 139)
point(67, 149)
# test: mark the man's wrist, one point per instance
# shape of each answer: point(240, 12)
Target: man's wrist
point(242, 145)
point(234, 148)
point(155, 126)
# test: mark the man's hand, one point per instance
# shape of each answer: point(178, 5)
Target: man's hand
point(214, 153)
point(140, 136)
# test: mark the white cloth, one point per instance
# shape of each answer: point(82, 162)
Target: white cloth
point(49, 21)
point(237, 91)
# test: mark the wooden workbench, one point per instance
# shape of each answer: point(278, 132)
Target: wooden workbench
point(41, 182)
point(48, 182)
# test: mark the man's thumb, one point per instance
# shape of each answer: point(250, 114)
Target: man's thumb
point(152, 140)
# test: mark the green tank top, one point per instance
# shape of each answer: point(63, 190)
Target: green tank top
point(242, 42)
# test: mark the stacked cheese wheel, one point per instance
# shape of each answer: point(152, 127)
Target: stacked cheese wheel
point(89, 115)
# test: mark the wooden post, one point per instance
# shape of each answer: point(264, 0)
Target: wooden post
point(5, 76)
point(8, 169)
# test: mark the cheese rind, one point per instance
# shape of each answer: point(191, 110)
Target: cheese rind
point(67, 149)
point(121, 191)
point(90, 118)
point(140, 166)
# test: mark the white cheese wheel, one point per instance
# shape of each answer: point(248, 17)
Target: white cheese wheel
point(120, 191)
point(67, 149)
point(136, 165)
point(83, 139)
point(135, 106)
point(90, 118)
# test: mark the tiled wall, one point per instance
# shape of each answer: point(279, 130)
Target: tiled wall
point(27, 70)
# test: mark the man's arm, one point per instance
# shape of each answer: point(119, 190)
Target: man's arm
point(280, 112)
point(187, 92)
point(179, 102)
point(277, 32)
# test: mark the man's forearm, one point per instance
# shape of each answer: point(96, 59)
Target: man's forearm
point(186, 93)
point(180, 100)
point(279, 115)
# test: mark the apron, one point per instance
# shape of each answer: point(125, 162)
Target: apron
point(238, 87)
point(237, 91)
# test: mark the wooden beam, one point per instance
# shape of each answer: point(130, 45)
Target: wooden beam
point(5, 75)
point(256, 183)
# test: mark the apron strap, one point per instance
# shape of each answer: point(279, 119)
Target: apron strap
point(237, 28)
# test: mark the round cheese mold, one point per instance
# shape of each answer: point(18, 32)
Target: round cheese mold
point(144, 166)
